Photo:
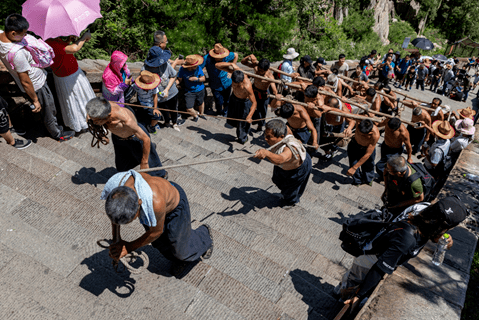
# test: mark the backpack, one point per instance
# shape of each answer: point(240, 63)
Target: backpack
point(363, 229)
point(277, 75)
point(41, 52)
point(427, 180)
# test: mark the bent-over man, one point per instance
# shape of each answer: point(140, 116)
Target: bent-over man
point(131, 140)
point(395, 136)
point(163, 210)
point(361, 153)
point(292, 163)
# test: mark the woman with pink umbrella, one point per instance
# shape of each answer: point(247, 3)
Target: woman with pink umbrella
point(73, 88)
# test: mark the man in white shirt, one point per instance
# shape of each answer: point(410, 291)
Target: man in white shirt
point(30, 79)
point(341, 65)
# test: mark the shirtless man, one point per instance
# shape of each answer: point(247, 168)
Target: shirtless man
point(299, 121)
point(362, 152)
point(335, 124)
point(292, 166)
point(395, 136)
point(315, 101)
point(418, 135)
point(242, 102)
point(163, 210)
point(388, 105)
point(375, 102)
point(260, 87)
point(131, 140)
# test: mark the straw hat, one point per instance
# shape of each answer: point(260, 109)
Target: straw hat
point(467, 113)
point(290, 54)
point(449, 66)
point(193, 60)
point(443, 129)
point(147, 80)
point(219, 51)
point(465, 126)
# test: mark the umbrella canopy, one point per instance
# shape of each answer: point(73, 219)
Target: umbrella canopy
point(440, 57)
point(425, 57)
point(55, 18)
point(423, 43)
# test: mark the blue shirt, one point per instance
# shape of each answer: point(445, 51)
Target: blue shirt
point(386, 68)
point(191, 86)
point(403, 65)
point(287, 67)
point(218, 79)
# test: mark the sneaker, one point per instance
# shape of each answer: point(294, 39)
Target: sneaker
point(20, 132)
point(22, 144)
point(180, 122)
point(153, 129)
point(202, 116)
point(195, 119)
point(175, 126)
point(244, 141)
point(209, 252)
point(66, 135)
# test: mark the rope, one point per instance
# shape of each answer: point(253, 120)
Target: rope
point(99, 134)
point(127, 260)
point(184, 112)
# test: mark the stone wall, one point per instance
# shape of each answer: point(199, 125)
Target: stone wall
point(383, 11)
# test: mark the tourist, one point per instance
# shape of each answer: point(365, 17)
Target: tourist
point(131, 141)
point(158, 61)
point(193, 78)
point(436, 77)
point(362, 152)
point(146, 86)
point(163, 210)
point(436, 155)
point(73, 88)
point(30, 79)
point(464, 135)
point(447, 78)
point(401, 69)
point(219, 81)
point(421, 76)
point(5, 131)
point(387, 70)
point(292, 164)
point(287, 64)
point(341, 65)
point(410, 76)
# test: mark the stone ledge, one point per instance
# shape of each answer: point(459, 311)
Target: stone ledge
point(420, 290)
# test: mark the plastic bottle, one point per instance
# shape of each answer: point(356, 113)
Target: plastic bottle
point(471, 177)
point(440, 251)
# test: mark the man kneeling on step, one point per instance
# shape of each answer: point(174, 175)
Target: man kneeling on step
point(292, 163)
point(164, 212)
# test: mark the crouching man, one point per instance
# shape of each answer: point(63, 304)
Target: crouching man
point(403, 240)
point(163, 210)
point(292, 163)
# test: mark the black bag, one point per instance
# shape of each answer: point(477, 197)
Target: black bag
point(427, 180)
point(362, 229)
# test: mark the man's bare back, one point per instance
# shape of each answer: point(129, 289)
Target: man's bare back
point(297, 120)
point(122, 122)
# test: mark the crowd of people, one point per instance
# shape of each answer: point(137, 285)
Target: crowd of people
point(316, 107)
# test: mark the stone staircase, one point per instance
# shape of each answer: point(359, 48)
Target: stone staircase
point(268, 263)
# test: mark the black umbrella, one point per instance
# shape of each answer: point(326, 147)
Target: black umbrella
point(440, 57)
point(422, 43)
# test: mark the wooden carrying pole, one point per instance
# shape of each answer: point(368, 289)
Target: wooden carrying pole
point(336, 113)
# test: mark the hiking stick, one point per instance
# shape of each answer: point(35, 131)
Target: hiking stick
point(184, 112)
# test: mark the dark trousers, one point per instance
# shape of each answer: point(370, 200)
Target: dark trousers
point(327, 128)
point(409, 81)
point(222, 100)
point(239, 109)
point(179, 242)
point(49, 111)
point(386, 153)
point(317, 126)
point(434, 83)
point(128, 154)
point(292, 183)
point(416, 137)
point(420, 83)
point(171, 104)
point(262, 101)
point(302, 134)
point(364, 174)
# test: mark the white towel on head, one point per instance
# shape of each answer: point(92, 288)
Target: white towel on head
point(147, 214)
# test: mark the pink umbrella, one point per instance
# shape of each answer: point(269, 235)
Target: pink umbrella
point(55, 18)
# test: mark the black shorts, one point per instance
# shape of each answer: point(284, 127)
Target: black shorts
point(194, 98)
point(4, 123)
point(400, 76)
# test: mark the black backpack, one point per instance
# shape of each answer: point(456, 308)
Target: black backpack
point(362, 229)
point(427, 180)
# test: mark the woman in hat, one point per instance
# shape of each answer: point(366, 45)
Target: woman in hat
point(287, 64)
point(219, 81)
point(73, 88)
point(464, 135)
point(146, 85)
point(116, 78)
point(436, 154)
point(193, 79)
point(466, 113)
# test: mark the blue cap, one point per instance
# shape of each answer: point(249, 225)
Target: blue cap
point(157, 57)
